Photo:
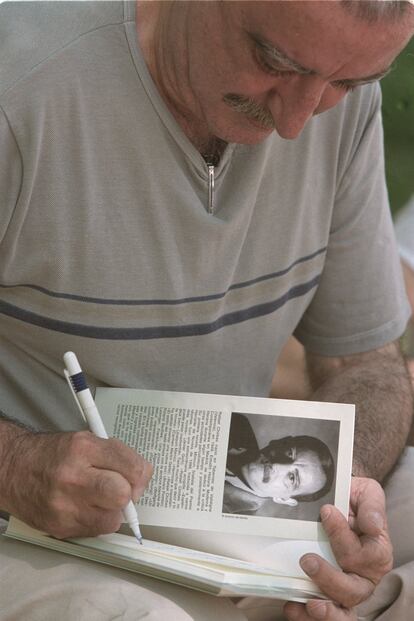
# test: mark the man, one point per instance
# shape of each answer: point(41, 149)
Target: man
point(173, 206)
point(287, 470)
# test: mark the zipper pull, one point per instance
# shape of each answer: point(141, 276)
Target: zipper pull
point(210, 207)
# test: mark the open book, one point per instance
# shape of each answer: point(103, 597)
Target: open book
point(234, 500)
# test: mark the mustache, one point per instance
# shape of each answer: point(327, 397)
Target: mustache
point(251, 109)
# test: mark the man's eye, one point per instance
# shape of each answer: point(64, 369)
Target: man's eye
point(292, 477)
point(271, 69)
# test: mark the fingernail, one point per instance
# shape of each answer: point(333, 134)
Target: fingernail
point(309, 565)
point(318, 611)
point(377, 519)
point(325, 513)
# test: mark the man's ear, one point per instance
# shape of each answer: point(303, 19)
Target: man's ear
point(290, 502)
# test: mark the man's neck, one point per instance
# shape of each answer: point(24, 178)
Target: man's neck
point(161, 34)
point(213, 150)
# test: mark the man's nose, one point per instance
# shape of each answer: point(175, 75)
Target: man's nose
point(294, 101)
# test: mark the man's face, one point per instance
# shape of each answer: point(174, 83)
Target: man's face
point(282, 61)
point(303, 475)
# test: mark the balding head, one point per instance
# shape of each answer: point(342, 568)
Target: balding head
point(374, 10)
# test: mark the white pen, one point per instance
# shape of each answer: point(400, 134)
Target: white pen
point(87, 406)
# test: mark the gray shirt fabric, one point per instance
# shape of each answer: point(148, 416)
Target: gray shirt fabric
point(107, 247)
point(404, 230)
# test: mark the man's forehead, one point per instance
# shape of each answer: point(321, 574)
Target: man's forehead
point(323, 38)
point(312, 478)
point(307, 456)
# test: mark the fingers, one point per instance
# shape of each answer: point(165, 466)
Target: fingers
point(318, 609)
point(99, 522)
point(368, 505)
point(75, 484)
point(104, 473)
point(112, 454)
point(140, 486)
point(116, 456)
point(356, 548)
point(347, 589)
point(106, 489)
point(344, 541)
point(85, 522)
point(362, 548)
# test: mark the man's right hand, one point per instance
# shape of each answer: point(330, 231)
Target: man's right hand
point(69, 484)
point(362, 548)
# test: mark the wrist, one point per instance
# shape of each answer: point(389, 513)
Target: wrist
point(12, 438)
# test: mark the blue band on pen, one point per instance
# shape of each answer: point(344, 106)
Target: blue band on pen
point(78, 382)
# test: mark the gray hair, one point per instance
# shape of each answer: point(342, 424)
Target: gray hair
point(374, 10)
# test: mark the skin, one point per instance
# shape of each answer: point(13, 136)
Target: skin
point(361, 547)
point(73, 484)
point(68, 484)
point(200, 52)
point(378, 383)
point(303, 476)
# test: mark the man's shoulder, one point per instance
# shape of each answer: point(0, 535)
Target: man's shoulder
point(365, 100)
point(354, 111)
point(334, 135)
point(31, 32)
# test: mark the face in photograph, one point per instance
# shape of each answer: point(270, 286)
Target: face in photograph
point(303, 475)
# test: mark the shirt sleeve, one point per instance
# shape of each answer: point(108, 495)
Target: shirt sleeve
point(11, 170)
point(404, 229)
point(360, 303)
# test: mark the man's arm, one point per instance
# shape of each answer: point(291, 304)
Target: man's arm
point(67, 484)
point(379, 385)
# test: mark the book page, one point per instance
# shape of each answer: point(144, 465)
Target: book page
point(209, 573)
point(186, 437)
point(183, 445)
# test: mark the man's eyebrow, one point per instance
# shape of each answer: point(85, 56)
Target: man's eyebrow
point(367, 80)
point(275, 55)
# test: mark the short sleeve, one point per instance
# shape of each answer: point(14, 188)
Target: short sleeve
point(404, 229)
point(10, 174)
point(360, 303)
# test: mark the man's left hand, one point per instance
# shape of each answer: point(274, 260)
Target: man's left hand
point(363, 550)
